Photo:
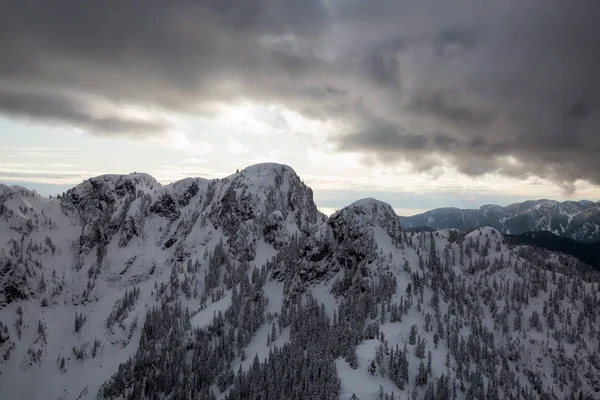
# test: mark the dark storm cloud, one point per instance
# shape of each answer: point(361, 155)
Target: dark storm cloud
point(180, 55)
point(509, 86)
point(56, 108)
point(504, 86)
point(445, 106)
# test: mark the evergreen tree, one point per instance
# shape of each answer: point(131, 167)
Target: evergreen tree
point(412, 337)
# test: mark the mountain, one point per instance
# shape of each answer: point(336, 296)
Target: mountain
point(578, 220)
point(238, 288)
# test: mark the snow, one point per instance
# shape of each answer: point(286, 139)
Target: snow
point(258, 345)
point(322, 293)
point(486, 230)
point(267, 169)
point(566, 218)
point(359, 381)
point(144, 261)
point(275, 296)
point(369, 206)
point(204, 317)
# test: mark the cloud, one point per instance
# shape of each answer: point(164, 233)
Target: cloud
point(56, 108)
point(485, 81)
point(503, 86)
point(44, 176)
point(182, 55)
point(235, 147)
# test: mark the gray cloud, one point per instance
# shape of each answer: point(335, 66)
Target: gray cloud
point(181, 55)
point(57, 108)
point(503, 79)
point(436, 82)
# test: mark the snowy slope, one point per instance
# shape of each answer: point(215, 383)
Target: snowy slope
point(239, 288)
point(78, 254)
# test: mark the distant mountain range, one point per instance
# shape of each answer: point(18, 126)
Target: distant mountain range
point(577, 220)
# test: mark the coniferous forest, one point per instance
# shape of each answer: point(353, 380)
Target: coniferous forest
point(239, 288)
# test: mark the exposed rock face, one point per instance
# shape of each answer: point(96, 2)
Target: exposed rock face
point(347, 240)
point(166, 207)
point(265, 203)
point(354, 225)
point(275, 230)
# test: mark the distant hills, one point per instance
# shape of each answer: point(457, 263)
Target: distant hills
point(586, 252)
point(577, 220)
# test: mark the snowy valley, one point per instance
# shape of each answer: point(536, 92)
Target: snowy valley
point(239, 288)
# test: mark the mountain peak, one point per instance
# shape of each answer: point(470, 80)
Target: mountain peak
point(123, 286)
point(370, 202)
point(137, 176)
point(363, 216)
point(266, 168)
point(368, 206)
point(121, 184)
point(7, 191)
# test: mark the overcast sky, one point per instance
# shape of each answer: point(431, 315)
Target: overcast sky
point(422, 103)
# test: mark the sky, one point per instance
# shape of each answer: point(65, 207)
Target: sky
point(419, 103)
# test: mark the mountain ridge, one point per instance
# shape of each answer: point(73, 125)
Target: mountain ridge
point(578, 220)
point(239, 288)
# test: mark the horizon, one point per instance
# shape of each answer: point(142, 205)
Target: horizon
point(422, 104)
point(47, 190)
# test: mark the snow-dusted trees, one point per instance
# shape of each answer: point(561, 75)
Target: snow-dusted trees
point(79, 321)
point(302, 368)
point(420, 348)
point(412, 338)
point(183, 361)
point(534, 321)
point(123, 306)
point(398, 367)
point(465, 299)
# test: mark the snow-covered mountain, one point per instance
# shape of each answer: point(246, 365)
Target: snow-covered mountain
point(578, 220)
point(238, 288)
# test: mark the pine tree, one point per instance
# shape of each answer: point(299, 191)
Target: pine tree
point(352, 358)
point(273, 332)
point(412, 337)
point(414, 393)
point(492, 390)
point(430, 392)
point(443, 389)
point(420, 349)
point(79, 321)
point(404, 365)
point(372, 367)
point(429, 363)
point(422, 375)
